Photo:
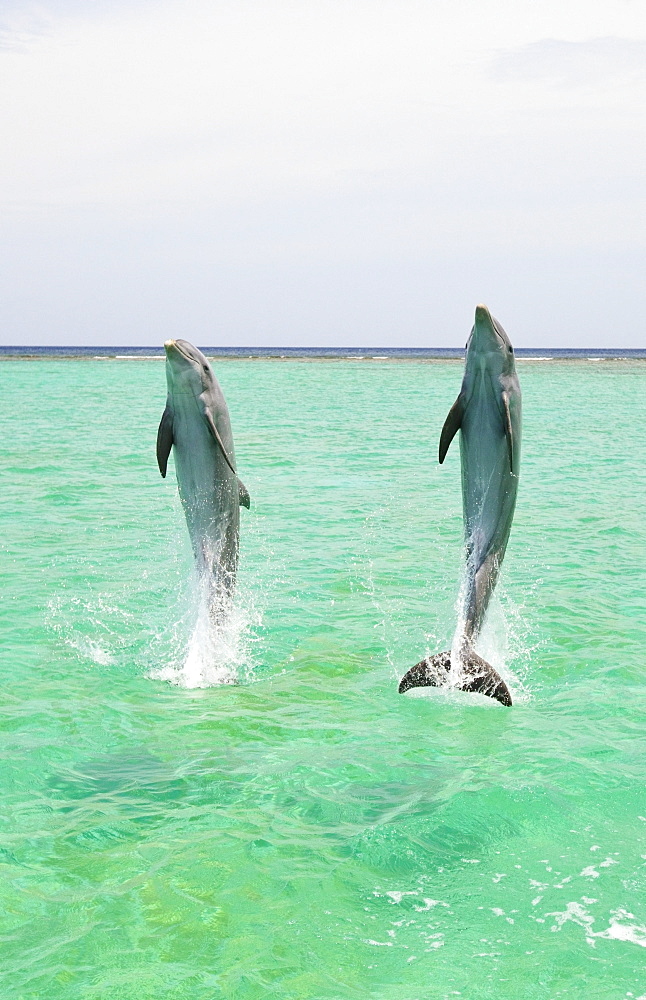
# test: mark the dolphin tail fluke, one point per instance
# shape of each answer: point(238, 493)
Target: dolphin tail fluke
point(475, 675)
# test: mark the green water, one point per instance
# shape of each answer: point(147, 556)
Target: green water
point(308, 833)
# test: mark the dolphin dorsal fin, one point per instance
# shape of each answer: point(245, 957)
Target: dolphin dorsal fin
point(509, 434)
point(451, 427)
point(164, 440)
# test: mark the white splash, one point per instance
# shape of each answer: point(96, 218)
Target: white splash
point(211, 643)
point(501, 640)
point(91, 650)
point(92, 627)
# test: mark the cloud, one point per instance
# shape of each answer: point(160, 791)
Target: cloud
point(19, 31)
point(598, 62)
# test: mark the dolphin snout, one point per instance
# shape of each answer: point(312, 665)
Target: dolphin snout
point(484, 338)
point(174, 352)
point(177, 362)
point(484, 320)
point(181, 348)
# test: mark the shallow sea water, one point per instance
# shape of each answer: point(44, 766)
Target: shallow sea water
point(307, 832)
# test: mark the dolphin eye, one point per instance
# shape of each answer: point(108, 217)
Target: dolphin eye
point(511, 350)
point(206, 368)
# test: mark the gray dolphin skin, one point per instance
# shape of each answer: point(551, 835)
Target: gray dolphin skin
point(196, 425)
point(487, 413)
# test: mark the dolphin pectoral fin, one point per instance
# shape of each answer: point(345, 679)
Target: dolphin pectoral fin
point(509, 434)
point(476, 675)
point(243, 492)
point(451, 427)
point(164, 440)
point(216, 437)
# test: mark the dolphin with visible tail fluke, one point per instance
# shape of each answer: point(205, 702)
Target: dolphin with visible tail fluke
point(196, 425)
point(487, 413)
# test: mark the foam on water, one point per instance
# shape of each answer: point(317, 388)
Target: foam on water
point(618, 928)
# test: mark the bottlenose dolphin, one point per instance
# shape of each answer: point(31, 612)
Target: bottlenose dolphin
point(196, 424)
point(487, 413)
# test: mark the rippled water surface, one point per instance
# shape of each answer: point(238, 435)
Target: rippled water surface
point(307, 832)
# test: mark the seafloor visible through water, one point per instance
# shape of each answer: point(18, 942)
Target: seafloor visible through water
point(306, 833)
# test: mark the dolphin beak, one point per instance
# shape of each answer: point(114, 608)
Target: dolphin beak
point(484, 333)
point(175, 359)
point(173, 351)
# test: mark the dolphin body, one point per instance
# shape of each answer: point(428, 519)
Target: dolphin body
point(196, 424)
point(487, 413)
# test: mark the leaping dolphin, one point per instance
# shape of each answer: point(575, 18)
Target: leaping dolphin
point(196, 424)
point(487, 413)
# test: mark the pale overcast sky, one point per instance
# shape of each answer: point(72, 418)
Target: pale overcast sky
point(322, 172)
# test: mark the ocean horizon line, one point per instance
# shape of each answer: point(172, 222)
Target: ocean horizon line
point(144, 352)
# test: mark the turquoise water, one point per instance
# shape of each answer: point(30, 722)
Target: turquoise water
point(309, 833)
